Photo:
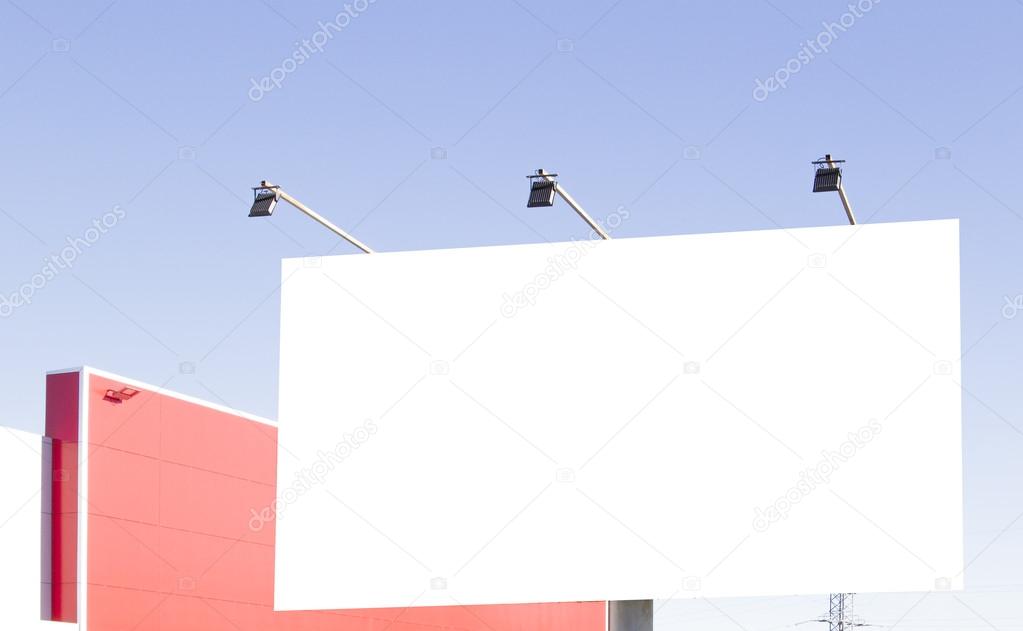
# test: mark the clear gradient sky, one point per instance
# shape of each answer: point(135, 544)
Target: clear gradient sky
point(414, 123)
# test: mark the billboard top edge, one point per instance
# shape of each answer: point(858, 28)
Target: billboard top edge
point(837, 227)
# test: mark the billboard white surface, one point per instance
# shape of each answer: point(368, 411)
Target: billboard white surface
point(735, 414)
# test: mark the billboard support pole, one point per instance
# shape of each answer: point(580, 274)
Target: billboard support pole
point(630, 615)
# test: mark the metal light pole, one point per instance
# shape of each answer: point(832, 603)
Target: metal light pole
point(266, 196)
point(542, 191)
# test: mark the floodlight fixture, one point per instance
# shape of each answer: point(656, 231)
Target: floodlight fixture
point(266, 196)
point(264, 202)
point(541, 193)
point(544, 186)
point(827, 178)
point(117, 397)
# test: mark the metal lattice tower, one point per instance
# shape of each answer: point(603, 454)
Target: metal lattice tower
point(840, 614)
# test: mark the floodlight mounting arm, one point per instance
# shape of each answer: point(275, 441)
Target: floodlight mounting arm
point(574, 204)
point(312, 214)
point(842, 195)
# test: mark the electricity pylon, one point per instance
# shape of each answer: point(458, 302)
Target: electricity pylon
point(840, 614)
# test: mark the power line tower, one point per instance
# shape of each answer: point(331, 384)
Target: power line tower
point(840, 614)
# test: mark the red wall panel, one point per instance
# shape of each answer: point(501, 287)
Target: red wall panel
point(60, 504)
point(172, 488)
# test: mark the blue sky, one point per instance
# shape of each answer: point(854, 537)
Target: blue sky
point(414, 126)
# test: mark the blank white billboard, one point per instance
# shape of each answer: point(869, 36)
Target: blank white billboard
point(738, 414)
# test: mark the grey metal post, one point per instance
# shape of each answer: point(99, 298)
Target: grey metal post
point(630, 615)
